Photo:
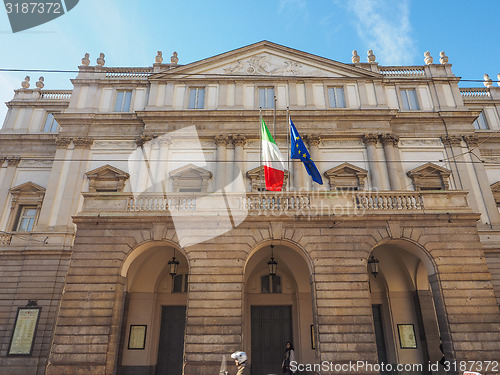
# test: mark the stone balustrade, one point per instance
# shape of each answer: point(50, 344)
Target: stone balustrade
point(278, 203)
point(402, 71)
point(55, 94)
point(128, 72)
point(475, 93)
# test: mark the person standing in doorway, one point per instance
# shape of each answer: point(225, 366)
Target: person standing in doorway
point(289, 357)
point(240, 359)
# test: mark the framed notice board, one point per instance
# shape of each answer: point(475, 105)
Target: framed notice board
point(23, 335)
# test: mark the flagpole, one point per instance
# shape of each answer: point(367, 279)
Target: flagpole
point(274, 119)
point(288, 141)
point(260, 148)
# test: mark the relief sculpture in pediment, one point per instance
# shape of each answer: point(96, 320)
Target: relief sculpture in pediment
point(261, 65)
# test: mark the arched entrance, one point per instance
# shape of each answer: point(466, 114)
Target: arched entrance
point(277, 308)
point(404, 313)
point(155, 311)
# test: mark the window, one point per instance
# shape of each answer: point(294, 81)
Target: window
point(51, 124)
point(409, 98)
point(266, 97)
point(270, 284)
point(196, 98)
point(180, 283)
point(123, 99)
point(27, 217)
point(336, 97)
point(480, 122)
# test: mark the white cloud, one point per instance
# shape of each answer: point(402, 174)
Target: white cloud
point(385, 27)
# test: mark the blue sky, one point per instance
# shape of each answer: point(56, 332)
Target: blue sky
point(130, 32)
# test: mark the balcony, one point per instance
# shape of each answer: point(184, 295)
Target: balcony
point(338, 203)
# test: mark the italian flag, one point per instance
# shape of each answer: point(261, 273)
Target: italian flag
point(274, 166)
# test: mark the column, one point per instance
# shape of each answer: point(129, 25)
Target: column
point(7, 175)
point(394, 167)
point(313, 141)
point(239, 163)
point(163, 168)
point(482, 179)
point(70, 195)
point(220, 170)
point(370, 141)
point(461, 177)
point(56, 181)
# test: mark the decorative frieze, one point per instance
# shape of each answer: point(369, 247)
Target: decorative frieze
point(420, 143)
point(114, 145)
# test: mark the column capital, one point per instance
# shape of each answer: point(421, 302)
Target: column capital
point(312, 139)
point(452, 140)
point(84, 142)
point(141, 140)
point(13, 161)
point(239, 140)
point(472, 140)
point(62, 142)
point(370, 139)
point(389, 139)
point(221, 140)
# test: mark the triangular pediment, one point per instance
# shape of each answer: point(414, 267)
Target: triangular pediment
point(495, 187)
point(266, 59)
point(429, 169)
point(27, 188)
point(191, 171)
point(346, 169)
point(107, 171)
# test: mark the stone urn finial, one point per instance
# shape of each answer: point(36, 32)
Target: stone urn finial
point(428, 58)
point(86, 60)
point(444, 59)
point(40, 84)
point(498, 77)
point(174, 59)
point(487, 80)
point(371, 56)
point(159, 58)
point(100, 60)
point(26, 83)
point(355, 57)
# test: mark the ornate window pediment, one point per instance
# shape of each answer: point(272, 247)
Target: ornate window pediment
point(256, 176)
point(190, 178)
point(106, 178)
point(346, 176)
point(25, 207)
point(495, 188)
point(430, 177)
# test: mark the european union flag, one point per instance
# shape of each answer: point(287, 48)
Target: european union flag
point(299, 151)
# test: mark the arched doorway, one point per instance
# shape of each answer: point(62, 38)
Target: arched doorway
point(277, 308)
point(404, 313)
point(155, 311)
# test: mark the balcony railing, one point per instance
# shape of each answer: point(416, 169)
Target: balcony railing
point(402, 71)
point(55, 94)
point(475, 93)
point(128, 72)
point(278, 203)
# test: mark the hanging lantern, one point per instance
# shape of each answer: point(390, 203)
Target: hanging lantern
point(272, 264)
point(172, 266)
point(373, 263)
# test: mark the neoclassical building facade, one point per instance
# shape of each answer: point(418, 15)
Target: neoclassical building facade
point(136, 235)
